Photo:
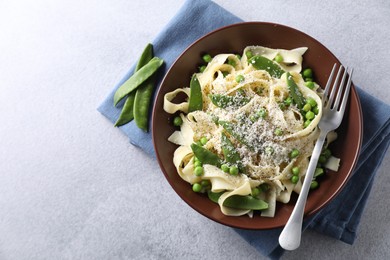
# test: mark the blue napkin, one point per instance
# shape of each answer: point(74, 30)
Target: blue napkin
point(341, 217)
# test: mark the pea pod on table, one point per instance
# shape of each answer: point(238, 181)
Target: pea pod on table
point(127, 113)
point(262, 63)
point(137, 79)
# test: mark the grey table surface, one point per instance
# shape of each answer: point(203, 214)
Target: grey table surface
point(73, 187)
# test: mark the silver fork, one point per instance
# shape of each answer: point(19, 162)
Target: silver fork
point(332, 115)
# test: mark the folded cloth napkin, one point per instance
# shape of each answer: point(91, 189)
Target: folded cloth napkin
point(341, 217)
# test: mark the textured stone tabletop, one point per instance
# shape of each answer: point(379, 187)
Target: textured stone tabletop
point(73, 187)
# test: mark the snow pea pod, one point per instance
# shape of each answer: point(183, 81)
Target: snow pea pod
point(205, 156)
point(229, 151)
point(239, 202)
point(143, 95)
point(127, 113)
point(196, 99)
point(262, 63)
point(294, 91)
point(231, 129)
point(137, 79)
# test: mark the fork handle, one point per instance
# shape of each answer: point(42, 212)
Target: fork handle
point(290, 238)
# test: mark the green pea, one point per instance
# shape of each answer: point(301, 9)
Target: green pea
point(314, 185)
point(255, 192)
point(308, 73)
point(233, 170)
point(262, 113)
point(253, 118)
point(308, 79)
point(312, 102)
point(203, 140)
point(309, 84)
point(240, 78)
point(177, 121)
point(207, 58)
point(306, 123)
point(306, 107)
point(327, 153)
point(231, 62)
point(198, 170)
point(278, 58)
point(197, 163)
point(316, 110)
point(205, 183)
point(295, 170)
point(278, 132)
point(249, 54)
point(268, 150)
point(294, 153)
point(202, 68)
point(294, 179)
point(196, 187)
point(225, 168)
point(322, 159)
point(309, 115)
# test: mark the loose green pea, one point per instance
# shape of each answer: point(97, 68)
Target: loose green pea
point(278, 132)
point(322, 159)
point(240, 78)
point(295, 170)
point(249, 54)
point(306, 107)
point(262, 113)
point(207, 58)
point(294, 153)
point(225, 168)
point(309, 84)
point(308, 79)
point(314, 185)
point(316, 110)
point(295, 179)
point(255, 192)
point(306, 123)
point(309, 115)
point(202, 68)
point(233, 170)
point(205, 183)
point(269, 150)
point(231, 62)
point(288, 101)
point(196, 187)
point(312, 102)
point(308, 73)
point(197, 163)
point(278, 58)
point(177, 121)
point(203, 140)
point(198, 170)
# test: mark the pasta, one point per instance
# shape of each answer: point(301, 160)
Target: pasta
point(253, 129)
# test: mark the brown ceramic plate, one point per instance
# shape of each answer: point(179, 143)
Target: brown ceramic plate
point(233, 39)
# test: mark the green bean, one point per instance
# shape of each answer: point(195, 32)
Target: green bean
point(239, 202)
point(205, 156)
point(262, 63)
point(137, 79)
point(294, 91)
point(127, 113)
point(196, 99)
point(224, 101)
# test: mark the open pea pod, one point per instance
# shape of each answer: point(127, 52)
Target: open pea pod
point(262, 63)
point(224, 101)
point(206, 156)
point(239, 202)
point(231, 129)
